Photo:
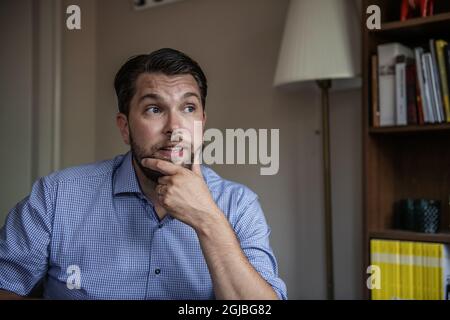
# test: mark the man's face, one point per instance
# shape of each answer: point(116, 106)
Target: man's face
point(161, 120)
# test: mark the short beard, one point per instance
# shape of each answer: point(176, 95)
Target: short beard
point(139, 154)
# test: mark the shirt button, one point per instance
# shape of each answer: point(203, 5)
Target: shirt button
point(160, 225)
point(157, 271)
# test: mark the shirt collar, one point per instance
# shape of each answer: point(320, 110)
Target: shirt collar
point(126, 180)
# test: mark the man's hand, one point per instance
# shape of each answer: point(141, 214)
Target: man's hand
point(184, 193)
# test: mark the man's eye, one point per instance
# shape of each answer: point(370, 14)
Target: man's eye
point(153, 109)
point(189, 108)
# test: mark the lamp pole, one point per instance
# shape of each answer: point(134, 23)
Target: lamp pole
point(324, 86)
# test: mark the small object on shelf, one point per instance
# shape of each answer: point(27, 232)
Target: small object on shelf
point(420, 215)
point(415, 8)
point(428, 214)
point(404, 217)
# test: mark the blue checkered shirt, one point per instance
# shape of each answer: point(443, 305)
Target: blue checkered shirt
point(89, 233)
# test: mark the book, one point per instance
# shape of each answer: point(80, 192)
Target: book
point(412, 107)
point(441, 45)
point(401, 115)
point(405, 88)
point(411, 270)
point(429, 92)
point(374, 80)
point(436, 81)
point(414, 8)
point(447, 63)
point(422, 98)
point(387, 54)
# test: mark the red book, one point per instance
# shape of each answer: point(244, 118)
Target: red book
point(411, 96)
point(414, 8)
point(420, 118)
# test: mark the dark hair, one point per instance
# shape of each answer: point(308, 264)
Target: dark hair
point(167, 61)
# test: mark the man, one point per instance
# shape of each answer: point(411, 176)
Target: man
point(151, 224)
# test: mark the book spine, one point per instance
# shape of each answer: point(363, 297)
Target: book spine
point(436, 82)
point(440, 46)
point(375, 294)
point(375, 100)
point(447, 65)
point(421, 99)
point(411, 95)
point(400, 89)
point(426, 60)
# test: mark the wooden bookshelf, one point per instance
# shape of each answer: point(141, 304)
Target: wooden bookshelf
point(404, 161)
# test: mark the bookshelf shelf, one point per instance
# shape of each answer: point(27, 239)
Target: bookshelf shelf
point(414, 29)
point(410, 236)
point(410, 129)
point(422, 22)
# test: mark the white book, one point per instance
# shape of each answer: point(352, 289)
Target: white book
point(446, 271)
point(424, 99)
point(387, 54)
point(426, 64)
point(400, 97)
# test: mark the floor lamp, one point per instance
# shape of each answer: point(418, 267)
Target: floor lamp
point(321, 44)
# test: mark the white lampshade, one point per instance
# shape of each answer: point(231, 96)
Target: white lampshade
point(321, 40)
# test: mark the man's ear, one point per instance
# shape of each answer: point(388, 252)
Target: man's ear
point(122, 124)
point(204, 120)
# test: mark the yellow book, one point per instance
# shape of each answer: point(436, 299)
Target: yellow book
point(384, 292)
point(397, 266)
point(406, 269)
point(426, 271)
point(433, 271)
point(374, 251)
point(389, 258)
point(432, 268)
point(438, 271)
point(418, 271)
point(383, 262)
point(440, 44)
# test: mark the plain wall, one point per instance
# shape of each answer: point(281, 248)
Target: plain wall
point(78, 86)
point(16, 92)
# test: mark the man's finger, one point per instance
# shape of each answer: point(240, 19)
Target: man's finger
point(165, 167)
point(165, 180)
point(196, 164)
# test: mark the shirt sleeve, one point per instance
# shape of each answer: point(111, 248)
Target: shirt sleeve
point(24, 241)
point(253, 233)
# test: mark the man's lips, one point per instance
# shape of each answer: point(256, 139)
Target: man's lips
point(172, 148)
point(169, 152)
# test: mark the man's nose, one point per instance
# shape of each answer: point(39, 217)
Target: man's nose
point(173, 123)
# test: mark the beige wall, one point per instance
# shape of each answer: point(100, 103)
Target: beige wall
point(237, 43)
point(16, 92)
point(78, 87)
